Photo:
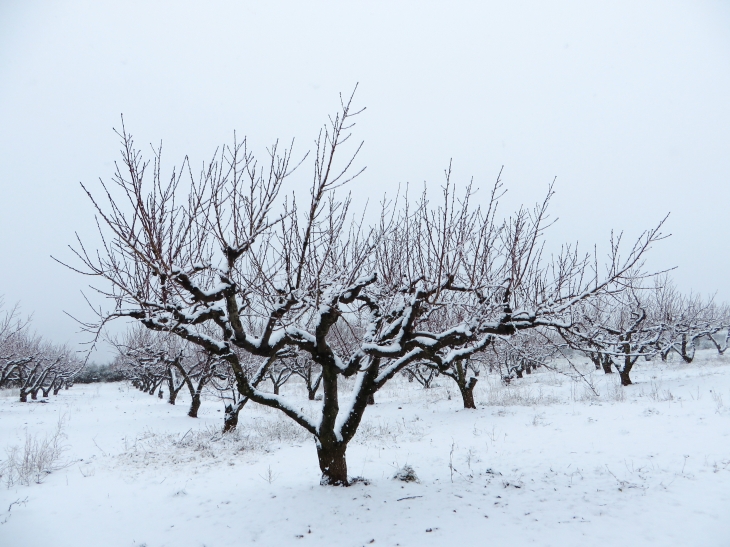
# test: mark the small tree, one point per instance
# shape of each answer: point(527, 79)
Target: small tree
point(422, 373)
point(153, 359)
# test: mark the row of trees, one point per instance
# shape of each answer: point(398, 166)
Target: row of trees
point(224, 262)
point(616, 330)
point(31, 364)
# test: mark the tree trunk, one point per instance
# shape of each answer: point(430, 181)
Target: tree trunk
point(311, 393)
point(34, 394)
point(333, 463)
point(606, 363)
point(625, 379)
point(276, 388)
point(371, 399)
point(685, 354)
point(626, 369)
point(230, 420)
point(467, 393)
point(23, 396)
point(195, 405)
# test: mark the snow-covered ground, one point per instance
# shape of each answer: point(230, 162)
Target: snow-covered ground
point(543, 462)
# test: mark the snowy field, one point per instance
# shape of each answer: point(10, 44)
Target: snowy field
point(542, 462)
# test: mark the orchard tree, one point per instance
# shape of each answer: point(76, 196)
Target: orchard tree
point(422, 373)
point(154, 358)
point(617, 330)
point(308, 371)
point(14, 350)
point(687, 319)
point(219, 260)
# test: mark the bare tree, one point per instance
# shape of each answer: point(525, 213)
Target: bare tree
point(14, 351)
point(224, 382)
point(278, 373)
point(208, 260)
point(617, 331)
point(308, 371)
point(687, 319)
point(154, 358)
point(523, 353)
point(422, 373)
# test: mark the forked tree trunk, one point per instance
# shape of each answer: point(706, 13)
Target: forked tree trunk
point(466, 387)
point(626, 369)
point(333, 464)
point(230, 419)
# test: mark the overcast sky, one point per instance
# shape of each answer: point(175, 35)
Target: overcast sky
point(627, 103)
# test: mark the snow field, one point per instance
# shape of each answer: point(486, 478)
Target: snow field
point(541, 462)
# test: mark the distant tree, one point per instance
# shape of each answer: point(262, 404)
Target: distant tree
point(422, 373)
point(523, 353)
point(687, 319)
point(617, 330)
point(152, 359)
point(308, 371)
point(15, 352)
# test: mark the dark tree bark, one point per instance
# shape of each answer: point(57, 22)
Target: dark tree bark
point(466, 385)
point(625, 378)
point(230, 420)
point(467, 393)
point(194, 406)
point(607, 364)
point(333, 464)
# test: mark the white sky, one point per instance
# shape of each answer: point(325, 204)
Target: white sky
point(627, 103)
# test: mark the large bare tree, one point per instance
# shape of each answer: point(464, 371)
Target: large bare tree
point(218, 259)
